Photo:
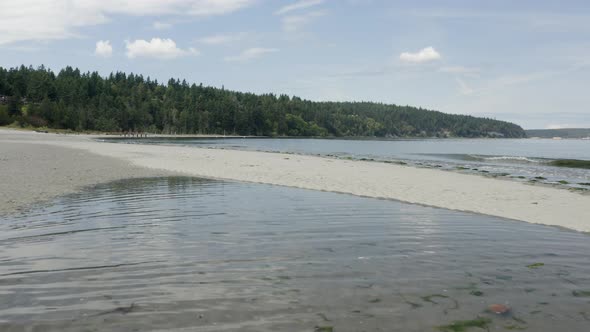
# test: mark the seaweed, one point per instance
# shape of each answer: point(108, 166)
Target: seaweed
point(563, 182)
point(464, 325)
point(571, 163)
point(429, 298)
point(119, 310)
point(535, 265)
point(476, 293)
point(323, 329)
point(582, 293)
point(412, 304)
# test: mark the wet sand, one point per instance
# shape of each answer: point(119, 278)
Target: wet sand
point(190, 254)
point(100, 162)
point(33, 172)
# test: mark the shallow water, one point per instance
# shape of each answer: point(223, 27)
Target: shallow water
point(522, 159)
point(185, 254)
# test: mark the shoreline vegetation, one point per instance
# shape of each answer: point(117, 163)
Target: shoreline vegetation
point(121, 102)
point(579, 133)
point(74, 161)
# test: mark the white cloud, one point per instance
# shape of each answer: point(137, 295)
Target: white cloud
point(103, 49)
point(424, 55)
point(161, 25)
point(221, 39)
point(295, 23)
point(157, 48)
point(42, 20)
point(249, 54)
point(301, 4)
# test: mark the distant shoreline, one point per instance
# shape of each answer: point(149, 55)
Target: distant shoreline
point(121, 135)
point(39, 167)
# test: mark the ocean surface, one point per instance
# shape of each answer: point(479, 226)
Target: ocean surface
point(187, 254)
point(526, 160)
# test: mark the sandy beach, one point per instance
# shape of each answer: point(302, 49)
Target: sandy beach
point(37, 167)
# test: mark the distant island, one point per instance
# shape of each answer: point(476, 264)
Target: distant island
point(36, 97)
point(562, 133)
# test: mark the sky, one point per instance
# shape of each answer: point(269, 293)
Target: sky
point(517, 60)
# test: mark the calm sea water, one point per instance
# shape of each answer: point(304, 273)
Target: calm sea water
point(521, 159)
point(185, 254)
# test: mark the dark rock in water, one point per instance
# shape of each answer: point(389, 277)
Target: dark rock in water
point(581, 293)
point(498, 309)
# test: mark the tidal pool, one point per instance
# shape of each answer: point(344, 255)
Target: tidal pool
point(188, 254)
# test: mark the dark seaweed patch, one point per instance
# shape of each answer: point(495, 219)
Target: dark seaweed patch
point(464, 325)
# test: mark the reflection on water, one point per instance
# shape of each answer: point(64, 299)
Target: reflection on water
point(185, 254)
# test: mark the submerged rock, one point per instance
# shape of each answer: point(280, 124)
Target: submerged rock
point(498, 309)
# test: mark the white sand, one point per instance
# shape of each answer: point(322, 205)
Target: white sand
point(534, 204)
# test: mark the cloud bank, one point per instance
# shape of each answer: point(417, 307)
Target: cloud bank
point(43, 20)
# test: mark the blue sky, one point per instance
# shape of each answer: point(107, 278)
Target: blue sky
point(522, 61)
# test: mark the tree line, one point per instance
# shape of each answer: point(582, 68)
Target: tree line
point(120, 102)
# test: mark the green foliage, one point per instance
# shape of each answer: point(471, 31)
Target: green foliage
point(4, 117)
point(129, 102)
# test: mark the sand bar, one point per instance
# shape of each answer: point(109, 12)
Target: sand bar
point(97, 162)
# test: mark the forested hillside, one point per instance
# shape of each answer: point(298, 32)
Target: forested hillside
point(121, 102)
point(564, 133)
